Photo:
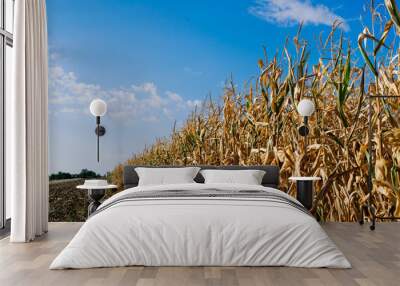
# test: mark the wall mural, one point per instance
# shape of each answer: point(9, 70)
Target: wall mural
point(169, 103)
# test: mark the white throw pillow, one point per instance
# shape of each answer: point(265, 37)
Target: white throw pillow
point(166, 176)
point(248, 177)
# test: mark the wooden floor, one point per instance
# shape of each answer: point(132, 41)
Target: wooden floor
point(375, 257)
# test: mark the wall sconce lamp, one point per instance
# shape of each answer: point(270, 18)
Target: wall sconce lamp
point(305, 108)
point(98, 108)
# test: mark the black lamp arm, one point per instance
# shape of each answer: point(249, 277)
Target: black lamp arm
point(98, 137)
point(305, 120)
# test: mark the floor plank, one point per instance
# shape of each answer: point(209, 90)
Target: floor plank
point(375, 257)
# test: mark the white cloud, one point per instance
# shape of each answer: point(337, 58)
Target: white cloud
point(292, 12)
point(174, 96)
point(53, 56)
point(64, 88)
point(147, 87)
point(181, 104)
point(67, 94)
point(193, 103)
point(156, 101)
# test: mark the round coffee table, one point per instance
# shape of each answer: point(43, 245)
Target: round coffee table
point(95, 194)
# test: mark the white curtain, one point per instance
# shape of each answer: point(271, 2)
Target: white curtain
point(27, 122)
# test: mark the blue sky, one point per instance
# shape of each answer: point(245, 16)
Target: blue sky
point(153, 61)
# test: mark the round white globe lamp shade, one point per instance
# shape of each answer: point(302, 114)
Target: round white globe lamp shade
point(98, 107)
point(306, 107)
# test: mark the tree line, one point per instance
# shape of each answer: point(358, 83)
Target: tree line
point(84, 174)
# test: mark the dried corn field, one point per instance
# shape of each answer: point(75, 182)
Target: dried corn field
point(259, 125)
